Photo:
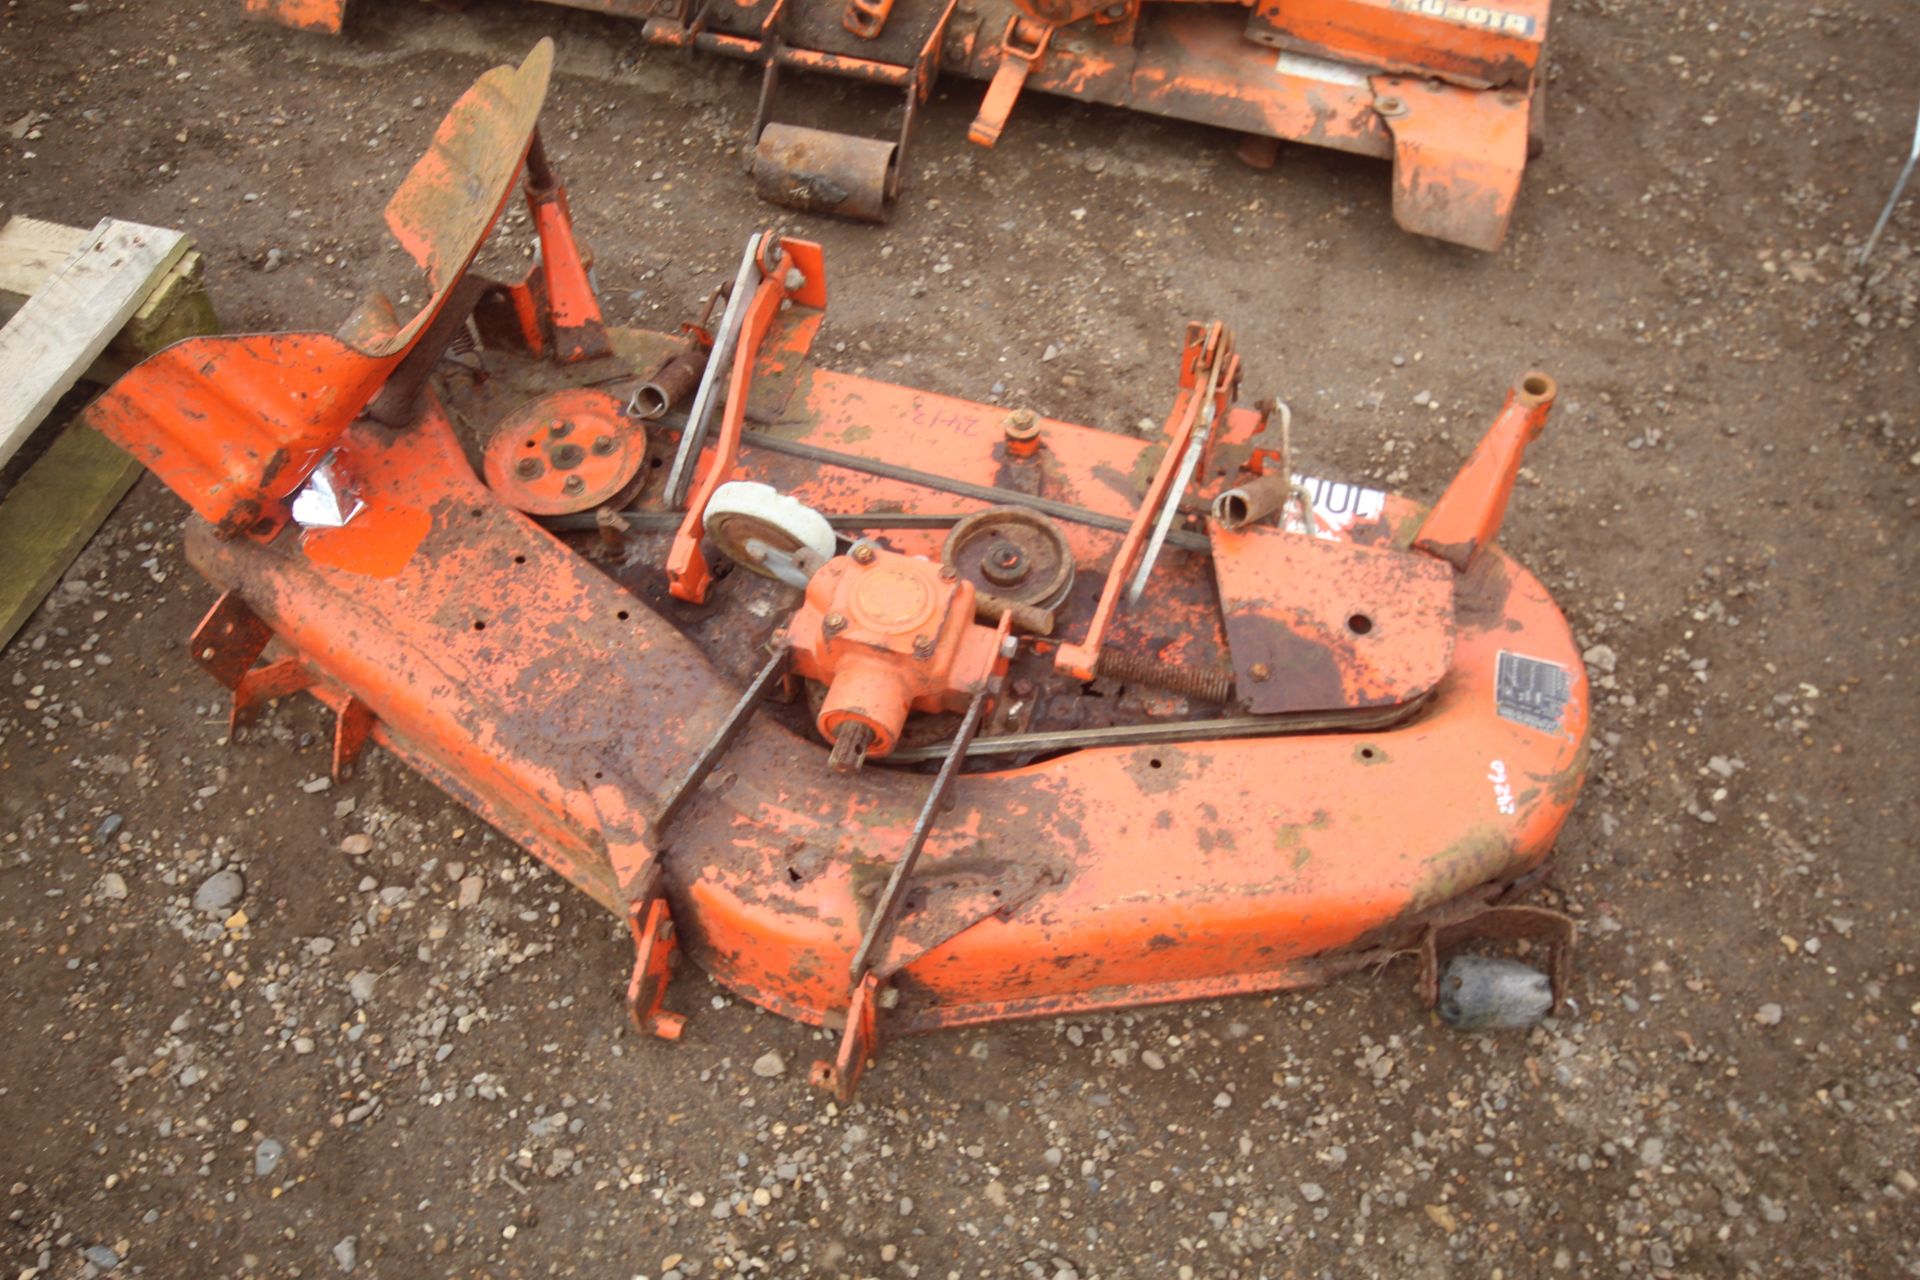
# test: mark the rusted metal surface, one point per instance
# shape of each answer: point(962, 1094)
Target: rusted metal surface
point(819, 171)
point(1320, 625)
point(1018, 562)
point(284, 399)
point(1510, 922)
point(668, 386)
point(763, 686)
point(567, 703)
point(885, 917)
point(1253, 501)
point(1196, 682)
point(1451, 92)
point(1458, 155)
point(1208, 381)
point(564, 452)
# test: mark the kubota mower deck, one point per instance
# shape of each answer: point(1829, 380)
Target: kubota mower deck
point(1452, 93)
point(894, 711)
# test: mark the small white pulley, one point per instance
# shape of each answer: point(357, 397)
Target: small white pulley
point(761, 529)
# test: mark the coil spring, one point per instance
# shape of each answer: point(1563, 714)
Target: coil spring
point(1194, 682)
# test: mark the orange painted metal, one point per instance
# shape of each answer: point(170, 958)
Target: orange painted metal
point(571, 450)
point(1317, 624)
point(300, 390)
point(888, 634)
point(573, 312)
point(1209, 373)
point(1457, 157)
point(562, 701)
point(1468, 516)
point(308, 15)
point(1022, 45)
point(1322, 72)
point(793, 290)
point(1481, 46)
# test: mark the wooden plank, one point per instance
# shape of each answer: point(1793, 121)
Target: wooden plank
point(31, 251)
point(73, 316)
point(51, 513)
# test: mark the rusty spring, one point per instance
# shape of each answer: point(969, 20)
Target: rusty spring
point(1194, 682)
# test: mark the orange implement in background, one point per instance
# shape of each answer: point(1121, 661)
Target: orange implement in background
point(1452, 93)
point(856, 780)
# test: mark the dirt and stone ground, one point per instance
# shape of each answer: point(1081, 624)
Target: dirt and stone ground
point(387, 1044)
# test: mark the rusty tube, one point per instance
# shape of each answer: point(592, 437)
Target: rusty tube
point(1249, 503)
point(817, 171)
point(670, 384)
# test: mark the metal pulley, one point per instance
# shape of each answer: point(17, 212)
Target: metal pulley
point(765, 531)
point(1018, 560)
point(566, 452)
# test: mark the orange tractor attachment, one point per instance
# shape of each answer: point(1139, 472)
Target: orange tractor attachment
point(1451, 93)
point(894, 711)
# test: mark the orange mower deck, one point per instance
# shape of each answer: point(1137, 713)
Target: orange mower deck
point(1122, 751)
point(1453, 94)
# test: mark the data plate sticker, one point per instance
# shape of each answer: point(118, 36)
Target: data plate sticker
point(1531, 692)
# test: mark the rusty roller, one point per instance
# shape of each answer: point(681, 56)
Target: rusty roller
point(818, 171)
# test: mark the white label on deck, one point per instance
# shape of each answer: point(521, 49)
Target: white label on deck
point(1337, 505)
point(1325, 69)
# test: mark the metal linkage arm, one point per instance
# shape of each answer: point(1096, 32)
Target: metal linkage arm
point(1209, 371)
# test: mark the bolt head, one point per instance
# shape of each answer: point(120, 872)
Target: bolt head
point(603, 445)
point(923, 646)
point(527, 468)
point(863, 553)
point(1261, 672)
point(834, 622)
point(948, 573)
point(574, 484)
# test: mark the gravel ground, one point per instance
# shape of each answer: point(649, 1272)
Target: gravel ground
point(259, 1026)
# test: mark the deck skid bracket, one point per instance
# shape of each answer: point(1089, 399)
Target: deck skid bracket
point(654, 944)
point(1510, 922)
point(859, 1042)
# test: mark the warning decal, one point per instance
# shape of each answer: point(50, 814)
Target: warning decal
point(1531, 692)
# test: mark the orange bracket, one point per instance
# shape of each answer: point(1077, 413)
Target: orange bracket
point(859, 1043)
point(573, 310)
point(1467, 517)
point(351, 728)
point(653, 946)
point(1209, 347)
point(1458, 155)
point(794, 271)
point(1024, 43)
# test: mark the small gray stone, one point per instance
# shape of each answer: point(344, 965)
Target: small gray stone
point(267, 1157)
point(112, 887)
point(362, 985)
point(1769, 1014)
point(346, 1253)
point(769, 1065)
point(101, 1256)
point(1312, 1192)
point(219, 891)
point(1153, 1061)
